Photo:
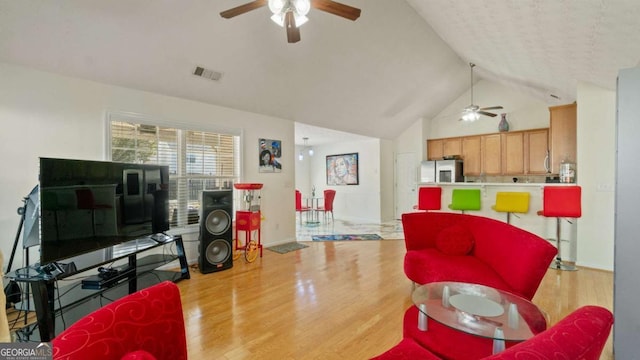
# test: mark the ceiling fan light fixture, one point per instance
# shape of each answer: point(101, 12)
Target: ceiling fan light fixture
point(470, 116)
point(299, 8)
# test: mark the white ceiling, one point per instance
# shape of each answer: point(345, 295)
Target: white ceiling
point(400, 61)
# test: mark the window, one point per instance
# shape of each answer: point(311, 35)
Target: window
point(197, 160)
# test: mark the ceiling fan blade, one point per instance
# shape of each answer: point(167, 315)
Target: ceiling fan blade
point(336, 8)
point(486, 113)
point(239, 10)
point(492, 108)
point(293, 32)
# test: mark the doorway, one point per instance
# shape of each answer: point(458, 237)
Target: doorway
point(406, 183)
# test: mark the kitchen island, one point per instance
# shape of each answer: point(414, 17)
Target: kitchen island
point(531, 221)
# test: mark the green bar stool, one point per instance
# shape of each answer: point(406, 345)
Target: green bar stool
point(465, 199)
point(512, 202)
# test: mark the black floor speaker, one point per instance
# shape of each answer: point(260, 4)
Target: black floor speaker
point(216, 231)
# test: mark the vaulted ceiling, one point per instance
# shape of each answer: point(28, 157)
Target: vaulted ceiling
point(402, 60)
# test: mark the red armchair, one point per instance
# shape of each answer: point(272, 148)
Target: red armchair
point(145, 325)
point(580, 335)
point(467, 248)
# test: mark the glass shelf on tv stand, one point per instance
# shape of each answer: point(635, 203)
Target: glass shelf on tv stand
point(55, 295)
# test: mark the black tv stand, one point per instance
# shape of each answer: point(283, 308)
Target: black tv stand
point(51, 299)
point(105, 280)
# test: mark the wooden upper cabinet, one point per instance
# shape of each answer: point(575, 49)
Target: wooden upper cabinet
point(513, 153)
point(434, 149)
point(491, 150)
point(471, 157)
point(439, 148)
point(537, 159)
point(452, 146)
point(562, 134)
point(506, 153)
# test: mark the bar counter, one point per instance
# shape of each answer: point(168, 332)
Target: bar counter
point(531, 221)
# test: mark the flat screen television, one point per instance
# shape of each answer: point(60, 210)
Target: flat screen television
point(91, 205)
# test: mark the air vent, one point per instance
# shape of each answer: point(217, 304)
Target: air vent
point(207, 74)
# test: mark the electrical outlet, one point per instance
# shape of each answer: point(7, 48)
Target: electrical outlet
point(604, 187)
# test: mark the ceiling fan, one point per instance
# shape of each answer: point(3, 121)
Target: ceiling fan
point(291, 14)
point(473, 112)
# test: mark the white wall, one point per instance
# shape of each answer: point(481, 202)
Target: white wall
point(44, 114)
point(387, 181)
point(596, 175)
point(359, 203)
point(523, 112)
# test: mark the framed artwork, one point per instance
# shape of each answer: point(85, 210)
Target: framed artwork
point(270, 153)
point(342, 169)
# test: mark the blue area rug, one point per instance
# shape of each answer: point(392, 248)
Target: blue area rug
point(343, 237)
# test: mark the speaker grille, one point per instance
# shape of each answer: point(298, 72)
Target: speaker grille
point(217, 222)
point(218, 251)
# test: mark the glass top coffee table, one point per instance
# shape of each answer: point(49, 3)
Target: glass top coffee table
point(479, 310)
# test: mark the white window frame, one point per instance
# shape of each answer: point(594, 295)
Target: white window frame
point(158, 121)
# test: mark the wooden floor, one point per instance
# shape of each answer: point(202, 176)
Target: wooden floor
point(332, 300)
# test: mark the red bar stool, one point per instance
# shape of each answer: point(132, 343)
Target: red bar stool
point(561, 202)
point(429, 198)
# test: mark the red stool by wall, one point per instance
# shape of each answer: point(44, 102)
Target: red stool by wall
point(429, 198)
point(561, 202)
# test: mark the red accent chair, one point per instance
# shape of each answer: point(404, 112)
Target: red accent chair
point(329, 195)
point(443, 246)
point(146, 325)
point(429, 198)
point(561, 202)
point(580, 335)
point(299, 207)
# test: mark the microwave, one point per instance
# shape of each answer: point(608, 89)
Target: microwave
point(449, 171)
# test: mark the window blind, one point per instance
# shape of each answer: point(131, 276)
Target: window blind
point(197, 161)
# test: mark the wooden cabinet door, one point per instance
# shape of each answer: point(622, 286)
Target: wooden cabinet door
point(452, 146)
point(513, 153)
point(472, 164)
point(491, 151)
point(434, 149)
point(537, 151)
point(562, 128)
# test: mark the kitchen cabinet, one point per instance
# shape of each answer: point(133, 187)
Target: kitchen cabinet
point(562, 134)
point(525, 152)
point(434, 149)
point(536, 151)
point(491, 154)
point(513, 153)
point(452, 146)
point(471, 155)
point(507, 153)
point(439, 148)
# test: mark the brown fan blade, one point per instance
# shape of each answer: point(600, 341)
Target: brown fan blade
point(239, 10)
point(492, 108)
point(293, 32)
point(486, 113)
point(335, 8)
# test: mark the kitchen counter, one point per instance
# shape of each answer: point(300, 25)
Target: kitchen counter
point(531, 221)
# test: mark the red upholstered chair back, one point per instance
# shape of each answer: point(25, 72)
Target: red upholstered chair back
point(329, 195)
point(562, 201)
point(298, 200)
point(148, 321)
point(430, 198)
point(580, 335)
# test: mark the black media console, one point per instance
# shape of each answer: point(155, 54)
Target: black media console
point(76, 298)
